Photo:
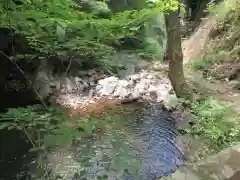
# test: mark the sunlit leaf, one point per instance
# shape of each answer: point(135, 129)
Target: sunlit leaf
point(61, 30)
point(3, 126)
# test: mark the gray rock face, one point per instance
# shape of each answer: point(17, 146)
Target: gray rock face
point(79, 83)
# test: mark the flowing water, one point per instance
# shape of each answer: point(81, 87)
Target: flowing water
point(146, 136)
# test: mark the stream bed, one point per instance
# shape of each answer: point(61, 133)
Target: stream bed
point(146, 137)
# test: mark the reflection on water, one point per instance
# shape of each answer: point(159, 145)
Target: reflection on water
point(147, 134)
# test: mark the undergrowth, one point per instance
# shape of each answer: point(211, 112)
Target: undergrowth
point(216, 125)
point(199, 64)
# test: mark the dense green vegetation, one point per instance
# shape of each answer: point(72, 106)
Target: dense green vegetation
point(54, 28)
point(217, 122)
point(65, 28)
point(40, 32)
point(216, 126)
point(92, 33)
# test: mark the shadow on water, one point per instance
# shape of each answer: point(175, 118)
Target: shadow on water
point(148, 134)
point(15, 160)
point(158, 151)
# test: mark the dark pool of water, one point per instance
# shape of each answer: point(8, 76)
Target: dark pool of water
point(148, 133)
point(14, 157)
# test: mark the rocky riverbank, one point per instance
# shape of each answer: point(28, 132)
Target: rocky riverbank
point(93, 85)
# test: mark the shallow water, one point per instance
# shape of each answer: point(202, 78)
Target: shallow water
point(148, 134)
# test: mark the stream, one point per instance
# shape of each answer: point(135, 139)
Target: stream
point(146, 134)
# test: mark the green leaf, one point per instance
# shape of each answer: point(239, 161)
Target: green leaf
point(3, 126)
point(11, 127)
point(19, 127)
point(105, 177)
point(35, 149)
point(88, 129)
point(61, 30)
point(99, 177)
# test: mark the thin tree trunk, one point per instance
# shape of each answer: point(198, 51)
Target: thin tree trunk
point(175, 57)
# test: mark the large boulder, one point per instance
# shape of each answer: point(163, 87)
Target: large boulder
point(223, 166)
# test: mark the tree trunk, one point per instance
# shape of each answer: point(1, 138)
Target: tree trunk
point(175, 57)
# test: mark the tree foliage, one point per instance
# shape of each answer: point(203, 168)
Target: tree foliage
point(56, 27)
point(59, 27)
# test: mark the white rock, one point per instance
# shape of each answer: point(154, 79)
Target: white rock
point(122, 92)
point(131, 83)
point(135, 77)
point(152, 89)
point(107, 86)
point(111, 79)
point(135, 95)
point(139, 87)
point(145, 83)
point(150, 76)
point(143, 74)
point(122, 83)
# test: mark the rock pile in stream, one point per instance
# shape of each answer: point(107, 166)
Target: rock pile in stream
point(145, 85)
